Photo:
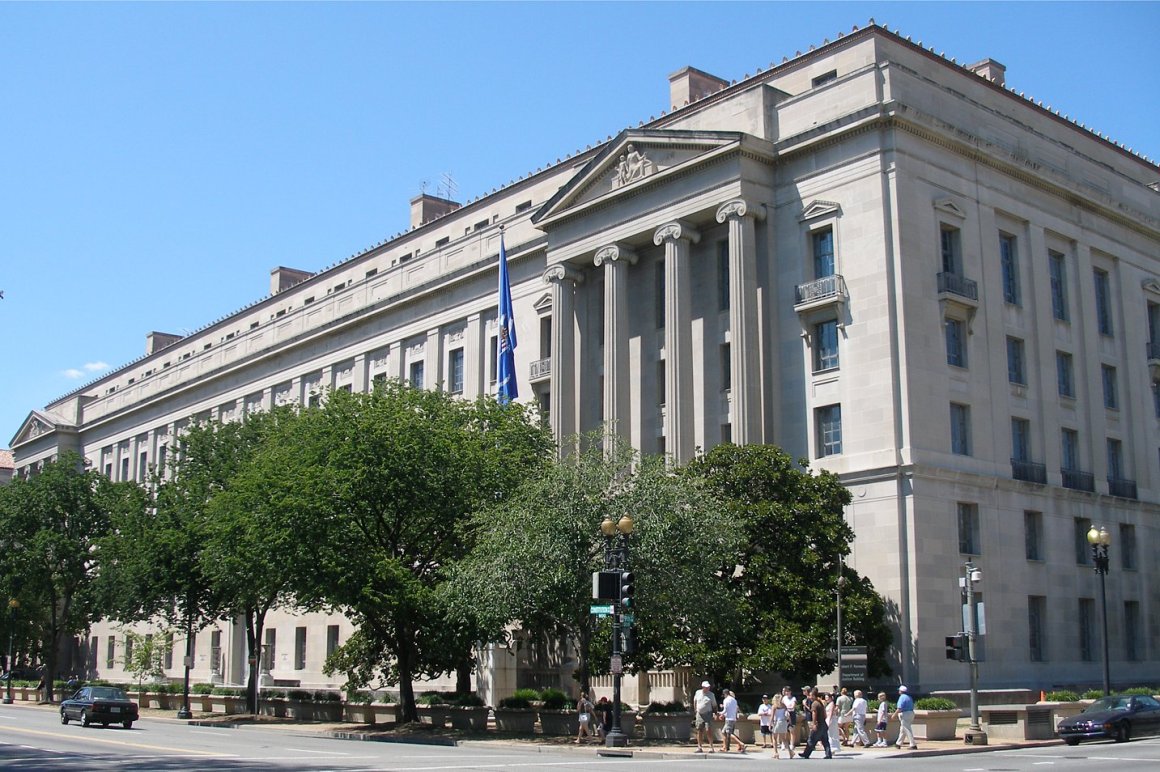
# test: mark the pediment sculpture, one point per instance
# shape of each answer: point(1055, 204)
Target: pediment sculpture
point(633, 166)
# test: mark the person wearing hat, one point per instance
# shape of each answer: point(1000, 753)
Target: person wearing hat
point(704, 708)
point(765, 719)
point(904, 712)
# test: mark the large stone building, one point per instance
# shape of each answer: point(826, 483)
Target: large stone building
point(874, 257)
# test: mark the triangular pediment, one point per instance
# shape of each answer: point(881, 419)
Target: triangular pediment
point(37, 424)
point(632, 160)
point(819, 208)
point(544, 304)
point(948, 206)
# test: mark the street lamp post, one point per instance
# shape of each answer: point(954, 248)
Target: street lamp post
point(13, 604)
point(838, 587)
point(972, 575)
point(616, 559)
point(1099, 541)
point(184, 712)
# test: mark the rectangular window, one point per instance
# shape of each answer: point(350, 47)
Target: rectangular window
point(1115, 459)
point(1080, 527)
point(1103, 288)
point(111, 652)
point(416, 375)
point(455, 370)
point(1111, 392)
point(1127, 547)
point(215, 651)
point(726, 367)
point(299, 648)
point(1132, 631)
point(125, 468)
point(1069, 447)
point(1016, 367)
point(960, 429)
point(969, 529)
point(1009, 260)
point(1058, 274)
point(662, 387)
point(659, 290)
point(1020, 439)
point(826, 345)
point(492, 359)
point(950, 240)
point(128, 652)
point(722, 275)
point(269, 650)
point(1036, 628)
point(956, 335)
point(828, 421)
point(168, 650)
point(142, 466)
point(1033, 534)
point(331, 639)
point(1064, 374)
point(1086, 624)
point(823, 244)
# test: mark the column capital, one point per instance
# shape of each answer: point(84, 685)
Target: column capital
point(675, 230)
point(562, 272)
point(740, 207)
point(614, 253)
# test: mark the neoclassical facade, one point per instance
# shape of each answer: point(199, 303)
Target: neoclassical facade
point(887, 263)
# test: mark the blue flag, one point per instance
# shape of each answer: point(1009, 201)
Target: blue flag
point(506, 366)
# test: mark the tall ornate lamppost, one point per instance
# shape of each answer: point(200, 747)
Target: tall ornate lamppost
point(1099, 541)
point(616, 559)
point(13, 604)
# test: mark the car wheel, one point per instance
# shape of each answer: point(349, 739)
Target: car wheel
point(1123, 733)
point(85, 718)
point(127, 724)
point(1071, 740)
point(63, 716)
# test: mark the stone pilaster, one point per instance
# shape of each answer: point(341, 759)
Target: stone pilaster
point(745, 414)
point(677, 238)
point(615, 258)
point(562, 411)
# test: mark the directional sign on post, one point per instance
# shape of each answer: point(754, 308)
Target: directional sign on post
point(601, 611)
point(617, 665)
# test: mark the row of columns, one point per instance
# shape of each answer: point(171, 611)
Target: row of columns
point(677, 238)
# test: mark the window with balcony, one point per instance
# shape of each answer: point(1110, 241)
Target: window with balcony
point(826, 345)
point(950, 240)
point(828, 427)
point(956, 339)
point(823, 248)
point(969, 530)
point(1115, 459)
point(1009, 263)
point(1057, 271)
point(1016, 367)
point(1103, 290)
point(960, 429)
point(1064, 374)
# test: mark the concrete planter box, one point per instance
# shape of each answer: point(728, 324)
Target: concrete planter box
point(667, 726)
point(1018, 722)
point(313, 711)
point(935, 724)
point(228, 705)
point(274, 706)
point(1062, 710)
point(386, 712)
point(515, 720)
point(559, 723)
point(469, 719)
point(358, 713)
point(435, 715)
point(745, 728)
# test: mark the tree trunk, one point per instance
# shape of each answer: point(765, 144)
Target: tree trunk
point(254, 624)
point(406, 688)
point(463, 675)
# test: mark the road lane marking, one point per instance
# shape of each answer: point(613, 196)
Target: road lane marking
point(325, 753)
point(122, 743)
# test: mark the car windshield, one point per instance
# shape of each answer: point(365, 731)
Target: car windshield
point(107, 693)
point(1108, 703)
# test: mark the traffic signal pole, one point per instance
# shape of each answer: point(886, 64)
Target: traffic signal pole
point(974, 734)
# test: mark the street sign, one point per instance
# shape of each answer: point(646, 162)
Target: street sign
point(601, 611)
point(627, 619)
point(854, 671)
point(853, 651)
point(617, 665)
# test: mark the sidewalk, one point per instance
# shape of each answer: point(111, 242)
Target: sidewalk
point(662, 749)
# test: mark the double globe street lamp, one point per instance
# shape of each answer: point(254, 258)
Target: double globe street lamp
point(616, 535)
point(13, 604)
point(1099, 539)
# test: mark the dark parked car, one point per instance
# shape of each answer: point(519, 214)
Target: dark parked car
point(1119, 717)
point(102, 705)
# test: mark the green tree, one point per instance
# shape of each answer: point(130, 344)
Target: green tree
point(535, 554)
point(795, 536)
point(52, 522)
point(145, 654)
point(389, 479)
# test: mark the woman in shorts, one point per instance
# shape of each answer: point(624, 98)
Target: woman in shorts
point(780, 730)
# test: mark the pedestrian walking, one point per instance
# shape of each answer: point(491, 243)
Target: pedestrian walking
point(584, 710)
point(781, 725)
point(729, 715)
point(905, 715)
point(819, 731)
point(704, 708)
point(883, 717)
point(858, 710)
point(765, 720)
point(845, 711)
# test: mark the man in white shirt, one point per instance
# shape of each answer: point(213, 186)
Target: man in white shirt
point(729, 713)
point(859, 708)
point(704, 708)
point(789, 701)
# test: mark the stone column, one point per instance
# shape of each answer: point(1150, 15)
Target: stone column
point(562, 407)
point(745, 374)
point(677, 236)
point(616, 258)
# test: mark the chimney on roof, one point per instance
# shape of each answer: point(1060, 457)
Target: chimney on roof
point(425, 208)
point(155, 341)
point(285, 278)
point(991, 70)
point(689, 84)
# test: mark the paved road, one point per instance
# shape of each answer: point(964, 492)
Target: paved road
point(32, 740)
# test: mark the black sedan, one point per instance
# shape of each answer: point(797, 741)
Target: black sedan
point(102, 705)
point(1118, 717)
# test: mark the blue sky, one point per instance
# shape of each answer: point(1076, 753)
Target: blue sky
point(158, 159)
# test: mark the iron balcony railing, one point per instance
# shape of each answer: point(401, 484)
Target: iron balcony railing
point(833, 286)
point(1125, 489)
point(1029, 471)
point(1077, 480)
point(540, 369)
point(958, 285)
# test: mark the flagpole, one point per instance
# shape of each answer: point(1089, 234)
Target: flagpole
point(506, 390)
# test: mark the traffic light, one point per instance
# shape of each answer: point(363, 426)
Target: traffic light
point(628, 640)
point(627, 589)
point(957, 647)
point(605, 585)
